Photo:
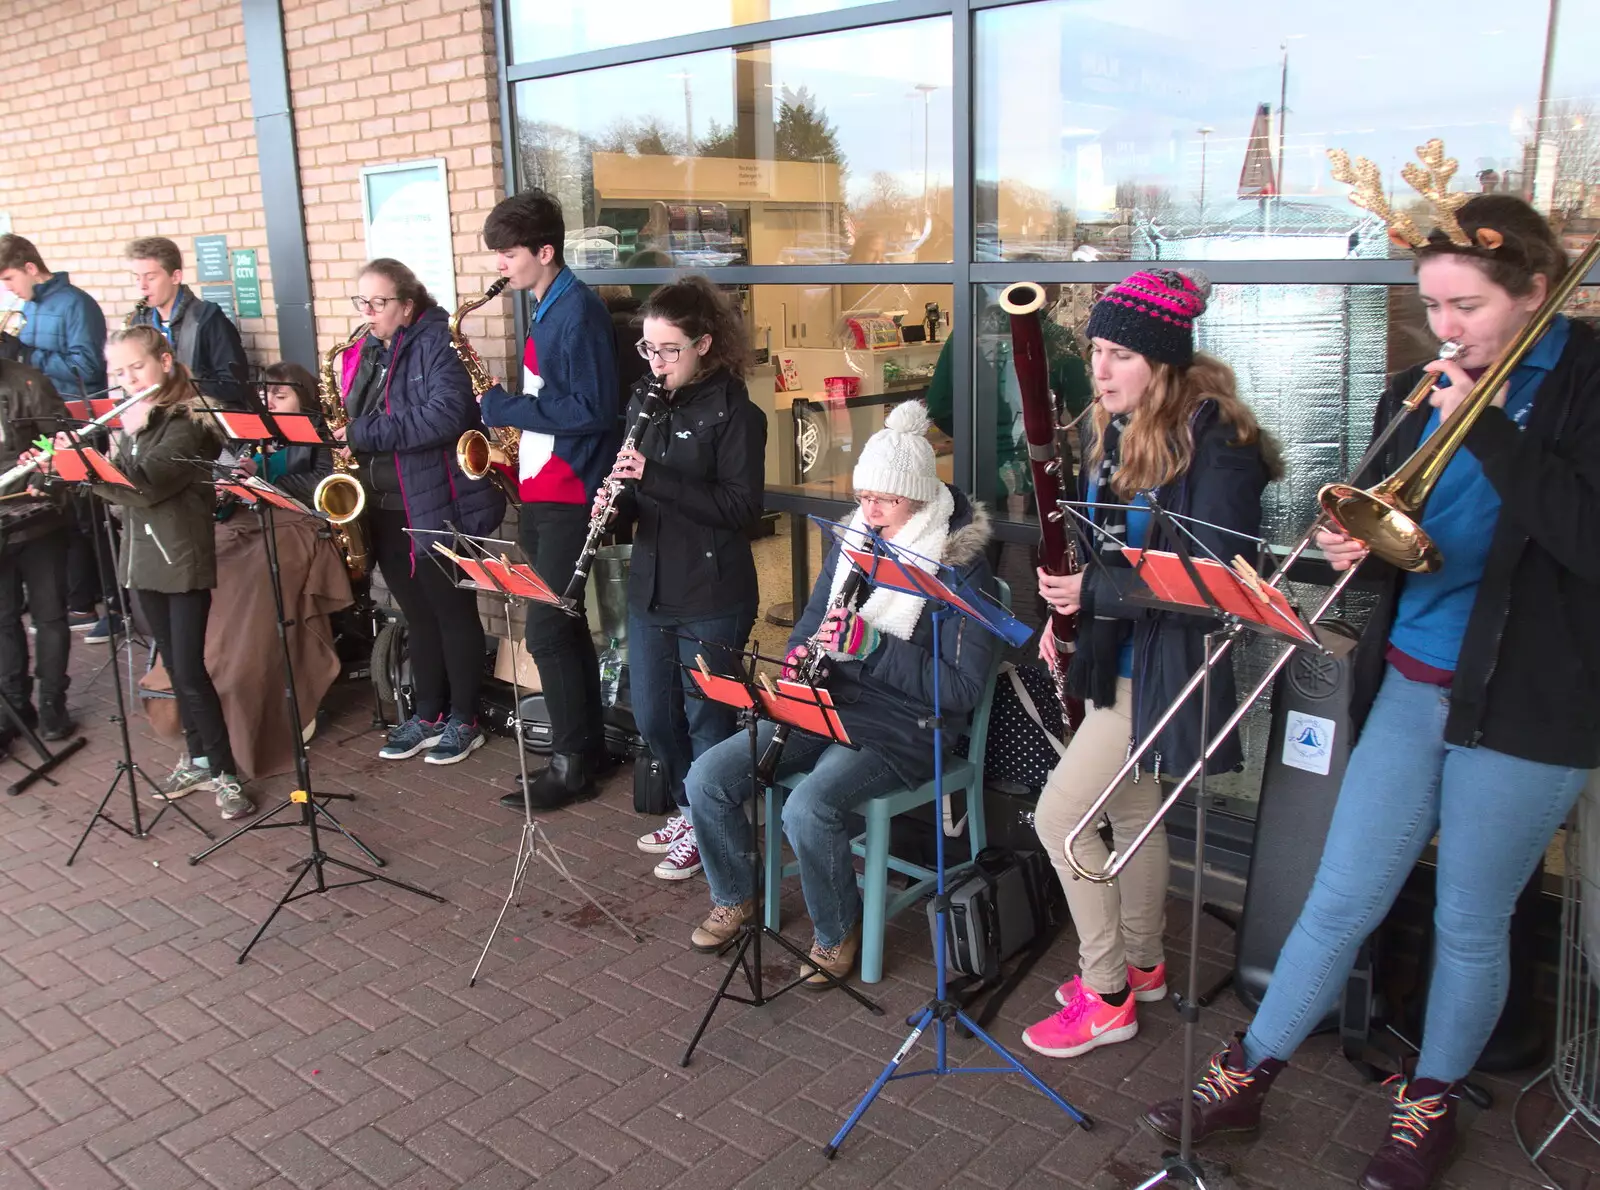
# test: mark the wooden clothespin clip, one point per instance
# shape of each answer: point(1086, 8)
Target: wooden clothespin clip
point(700, 660)
point(1250, 578)
point(766, 683)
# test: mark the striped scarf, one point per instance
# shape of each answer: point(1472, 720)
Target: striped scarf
point(1114, 521)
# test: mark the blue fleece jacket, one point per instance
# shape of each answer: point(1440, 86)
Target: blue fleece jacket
point(65, 334)
point(570, 407)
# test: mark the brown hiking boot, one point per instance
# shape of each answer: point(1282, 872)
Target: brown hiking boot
point(1226, 1099)
point(721, 926)
point(835, 960)
point(1422, 1136)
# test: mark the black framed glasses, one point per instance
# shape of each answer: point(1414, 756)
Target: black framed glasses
point(371, 305)
point(667, 353)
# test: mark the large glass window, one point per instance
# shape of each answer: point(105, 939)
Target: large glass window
point(1162, 130)
point(816, 150)
point(544, 29)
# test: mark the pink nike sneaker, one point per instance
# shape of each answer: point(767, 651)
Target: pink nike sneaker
point(1087, 1022)
point(1148, 986)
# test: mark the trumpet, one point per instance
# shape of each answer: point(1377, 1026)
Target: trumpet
point(610, 489)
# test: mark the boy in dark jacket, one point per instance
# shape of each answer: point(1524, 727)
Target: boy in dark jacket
point(202, 336)
point(63, 332)
point(567, 412)
point(33, 561)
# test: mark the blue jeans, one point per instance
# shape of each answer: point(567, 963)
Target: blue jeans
point(837, 780)
point(676, 727)
point(1494, 814)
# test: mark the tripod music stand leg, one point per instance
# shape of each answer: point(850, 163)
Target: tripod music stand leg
point(739, 960)
point(255, 823)
point(351, 839)
point(379, 878)
point(525, 849)
point(305, 866)
point(878, 1084)
point(551, 856)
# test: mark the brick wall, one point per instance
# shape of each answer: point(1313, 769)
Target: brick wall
point(98, 93)
point(374, 81)
point(125, 119)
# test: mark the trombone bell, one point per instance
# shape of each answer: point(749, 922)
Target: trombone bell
point(340, 498)
point(1383, 525)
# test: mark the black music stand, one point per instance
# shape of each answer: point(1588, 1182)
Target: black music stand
point(265, 497)
point(487, 567)
point(898, 569)
point(801, 705)
point(1191, 580)
point(81, 463)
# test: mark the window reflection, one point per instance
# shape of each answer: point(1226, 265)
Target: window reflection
point(541, 29)
point(815, 150)
point(1110, 129)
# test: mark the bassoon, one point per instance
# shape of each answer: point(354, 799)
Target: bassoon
point(1050, 464)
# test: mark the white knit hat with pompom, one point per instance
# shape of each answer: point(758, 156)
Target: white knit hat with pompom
point(898, 459)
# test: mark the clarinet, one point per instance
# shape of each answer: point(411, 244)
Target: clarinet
point(809, 670)
point(610, 490)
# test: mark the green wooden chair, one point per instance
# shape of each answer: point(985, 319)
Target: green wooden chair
point(878, 906)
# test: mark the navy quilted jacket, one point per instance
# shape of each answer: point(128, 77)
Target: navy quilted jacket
point(426, 405)
point(65, 334)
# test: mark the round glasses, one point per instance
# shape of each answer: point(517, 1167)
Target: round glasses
point(667, 353)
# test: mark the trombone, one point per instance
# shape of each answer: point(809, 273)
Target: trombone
point(1385, 518)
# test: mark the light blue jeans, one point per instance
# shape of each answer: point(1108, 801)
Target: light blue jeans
point(837, 780)
point(1494, 815)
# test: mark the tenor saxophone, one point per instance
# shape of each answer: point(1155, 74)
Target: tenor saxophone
point(475, 453)
point(340, 496)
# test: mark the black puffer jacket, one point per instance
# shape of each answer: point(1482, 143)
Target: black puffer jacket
point(1223, 486)
point(884, 699)
point(1527, 682)
point(701, 491)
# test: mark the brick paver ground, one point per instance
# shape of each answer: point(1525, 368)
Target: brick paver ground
point(348, 1051)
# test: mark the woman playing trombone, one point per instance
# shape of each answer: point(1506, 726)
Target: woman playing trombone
point(1475, 696)
point(1167, 420)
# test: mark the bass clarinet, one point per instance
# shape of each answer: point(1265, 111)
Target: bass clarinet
point(1050, 465)
point(610, 489)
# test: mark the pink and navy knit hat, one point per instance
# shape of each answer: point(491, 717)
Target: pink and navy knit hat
point(1153, 313)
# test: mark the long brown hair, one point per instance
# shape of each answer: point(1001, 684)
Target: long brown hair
point(1158, 446)
point(177, 393)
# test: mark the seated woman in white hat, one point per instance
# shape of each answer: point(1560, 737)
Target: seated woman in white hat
point(880, 673)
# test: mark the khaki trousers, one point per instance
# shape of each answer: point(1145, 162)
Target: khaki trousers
point(1121, 922)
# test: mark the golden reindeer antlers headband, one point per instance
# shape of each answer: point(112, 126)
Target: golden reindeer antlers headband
point(1431, 179)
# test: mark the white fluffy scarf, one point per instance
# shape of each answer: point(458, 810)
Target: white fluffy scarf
point(924, 534)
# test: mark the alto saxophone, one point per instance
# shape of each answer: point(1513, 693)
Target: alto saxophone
point(475, 454)
point(610, 489)
point(340, 496)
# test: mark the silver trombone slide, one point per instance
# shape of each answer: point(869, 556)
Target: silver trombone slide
point(1116, 862)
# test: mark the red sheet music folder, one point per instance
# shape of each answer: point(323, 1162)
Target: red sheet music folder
point(503, 575)
point(295, 427)
point(75, 463)
point(80, 410)
point(727, 691)
point(809, 708)
point(1169, 581)
point(883, 571)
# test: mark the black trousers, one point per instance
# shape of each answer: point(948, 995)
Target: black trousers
point(33, 574)
point(444, 637)
point(551, 535)
point(178, 622)
point(91, 576)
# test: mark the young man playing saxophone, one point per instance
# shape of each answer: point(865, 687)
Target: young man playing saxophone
point(569, 412)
